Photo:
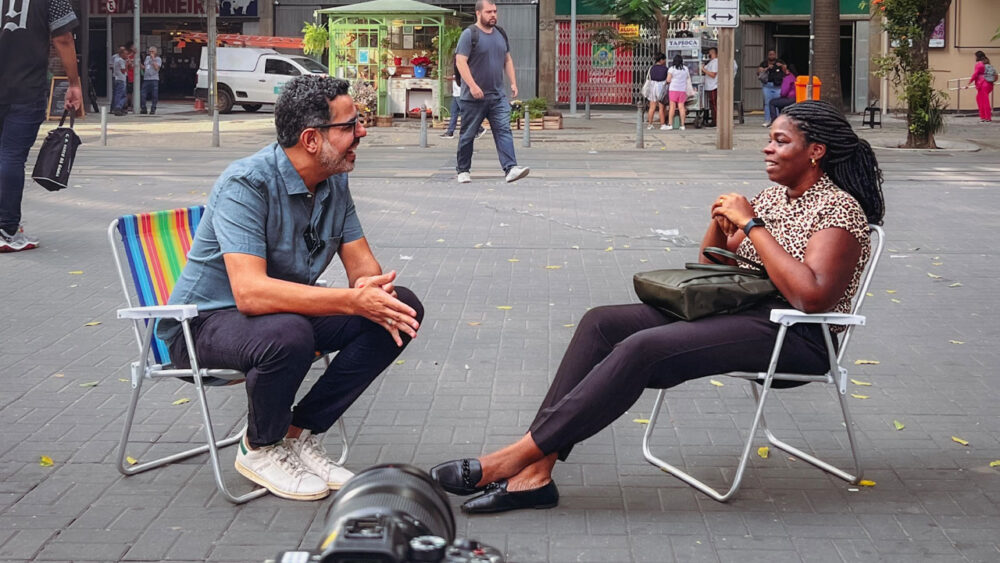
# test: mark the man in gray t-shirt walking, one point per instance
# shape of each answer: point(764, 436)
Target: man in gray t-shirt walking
point(482, 57)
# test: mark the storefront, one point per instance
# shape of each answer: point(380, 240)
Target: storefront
point(161, 22)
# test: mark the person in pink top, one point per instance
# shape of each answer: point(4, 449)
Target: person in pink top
point(983, 76)
point(787, 95)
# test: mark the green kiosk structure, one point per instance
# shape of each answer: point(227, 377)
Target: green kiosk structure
point(378, 41)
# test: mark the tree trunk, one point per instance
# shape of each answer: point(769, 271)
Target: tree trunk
point(826, 51)
point(933, 12)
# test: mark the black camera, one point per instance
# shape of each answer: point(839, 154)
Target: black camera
point(392, 513)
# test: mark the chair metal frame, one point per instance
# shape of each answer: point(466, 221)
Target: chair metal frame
point(147, 368)
point(836, 376)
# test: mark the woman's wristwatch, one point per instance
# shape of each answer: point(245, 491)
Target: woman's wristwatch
point(755, 222)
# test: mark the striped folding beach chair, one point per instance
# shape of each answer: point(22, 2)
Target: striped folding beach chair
point(150, 251)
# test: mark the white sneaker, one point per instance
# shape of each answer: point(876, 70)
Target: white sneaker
point(312, 454)
point(665, 127)
point(464, 177)
point(682, 127)
point(482, 131)
point(648, 127)
point(766, 124)
point(516, 173)
point(278, 469)
point(16, 242)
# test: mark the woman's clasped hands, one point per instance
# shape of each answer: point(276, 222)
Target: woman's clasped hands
point(731, 212)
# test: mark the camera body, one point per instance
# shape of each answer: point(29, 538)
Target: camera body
point(392, 514)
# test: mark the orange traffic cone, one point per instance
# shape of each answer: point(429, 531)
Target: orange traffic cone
point(199, 104)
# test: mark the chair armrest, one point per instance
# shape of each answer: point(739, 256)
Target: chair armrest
point(176, 312)
point(789, 317)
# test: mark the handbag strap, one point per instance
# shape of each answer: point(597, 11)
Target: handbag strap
point(72, 118)
point(712, 252)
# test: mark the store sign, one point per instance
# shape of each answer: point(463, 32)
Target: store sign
point(227, 8)
point(629, 31)
point(722, 13)
point(683, 43)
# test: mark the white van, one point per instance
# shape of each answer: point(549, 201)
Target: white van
point(251, 77)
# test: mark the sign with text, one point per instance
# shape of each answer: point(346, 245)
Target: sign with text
point(722, 13)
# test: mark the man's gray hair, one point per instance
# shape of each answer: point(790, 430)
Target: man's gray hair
point(305, 102)
point(480, 4)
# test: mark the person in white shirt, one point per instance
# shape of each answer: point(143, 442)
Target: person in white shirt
point(711, 71)
point(678, 78)
point(456, 108)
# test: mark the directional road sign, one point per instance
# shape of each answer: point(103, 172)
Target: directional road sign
point(722, 13)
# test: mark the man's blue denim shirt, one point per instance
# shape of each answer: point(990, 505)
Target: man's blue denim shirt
point(261, 206)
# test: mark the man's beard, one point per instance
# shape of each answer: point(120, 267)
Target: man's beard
point(487, 23)
point(331, 162)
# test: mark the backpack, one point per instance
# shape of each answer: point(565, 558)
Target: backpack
point(475, 40)
point(990, 73)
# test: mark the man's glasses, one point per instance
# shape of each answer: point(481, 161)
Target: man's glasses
point(345, 125)
point(313, 243)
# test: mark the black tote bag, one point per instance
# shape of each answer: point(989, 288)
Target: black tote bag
point(55, 158)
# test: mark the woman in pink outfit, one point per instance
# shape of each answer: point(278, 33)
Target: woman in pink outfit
point(984, 87)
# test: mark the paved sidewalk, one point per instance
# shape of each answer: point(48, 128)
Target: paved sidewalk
point(475, 375)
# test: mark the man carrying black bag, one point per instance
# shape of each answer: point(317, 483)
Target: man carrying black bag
point(25, 31)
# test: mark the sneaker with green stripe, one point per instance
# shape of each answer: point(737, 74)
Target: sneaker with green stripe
point(278, 469)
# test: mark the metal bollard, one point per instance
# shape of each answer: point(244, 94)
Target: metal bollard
point(586, 110)
point(639, 143)
point(104, 126)
point(527, 128)
point(215, 127)
point(423, 128)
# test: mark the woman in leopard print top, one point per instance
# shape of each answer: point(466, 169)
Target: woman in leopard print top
point(813, 240)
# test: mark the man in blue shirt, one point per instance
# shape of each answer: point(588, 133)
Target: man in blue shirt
point(482, 57)
point(273, 223)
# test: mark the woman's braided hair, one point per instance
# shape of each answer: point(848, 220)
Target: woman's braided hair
point(849, 160)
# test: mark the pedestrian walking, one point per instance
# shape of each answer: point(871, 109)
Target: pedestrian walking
point(711, 71)
point(119, 65)
point(482, 59)
point(130, 74)
point(655, 87)
point(24, 49)
point(456, 107)
point(983, 77)
point(770, 77)
point(150, 81)
point(678, 78)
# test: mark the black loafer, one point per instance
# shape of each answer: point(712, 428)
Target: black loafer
point(498, 499)
point(459, 477)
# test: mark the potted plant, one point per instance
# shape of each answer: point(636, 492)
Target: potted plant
point(420, 66)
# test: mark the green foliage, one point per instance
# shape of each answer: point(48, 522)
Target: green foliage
point(448, 41)
point(692, 8)
point(315, 38)
point(536, 109)
point(632, 11)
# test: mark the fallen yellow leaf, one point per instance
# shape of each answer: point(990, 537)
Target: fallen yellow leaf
point(474, 323)
point(609, 249)
point(643, 260)
point(862, 383)
point(58, 375)
point(640, 420)
point(569, 325)
point(480, 245)
point(76, 272)
point(936, 263)
point(995, 463)
point(131, 460)
point(866, 362)
point(181, 401)
point(440, 240)
point(869, 294)
point(89, 384)
point(504, 307)
point(958, 440)
point(890, 291)
point(93, 323)
point(716, 383)
point(956, 284)
point(898, 425)
point(400, 362)
point(553, 267)
point(866, 483)
point(857, 396)
point(933, 276)
point(895, 300)
point(513, 260)
point(956, 342)
point(763, 452)
point(123, 380)
point(46, 461)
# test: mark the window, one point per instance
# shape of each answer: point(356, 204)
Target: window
point(309, 64)
point(278, 66)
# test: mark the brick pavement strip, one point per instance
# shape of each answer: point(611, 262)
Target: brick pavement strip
point(467, 387)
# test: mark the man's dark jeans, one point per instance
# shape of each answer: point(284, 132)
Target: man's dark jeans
point(151, 90)
point(275, 352)
point(497, 111)
point(18, 128)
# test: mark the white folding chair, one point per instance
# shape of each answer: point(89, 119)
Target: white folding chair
point(836, 376)
point(151, 249)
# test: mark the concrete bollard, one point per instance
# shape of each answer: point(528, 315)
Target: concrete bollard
point(527, 127)
point(215, 127)
point(104, 126)
point(423, 128)
point(586, 108)
point(639, 142)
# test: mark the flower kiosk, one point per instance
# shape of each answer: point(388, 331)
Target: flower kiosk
point(392, 45)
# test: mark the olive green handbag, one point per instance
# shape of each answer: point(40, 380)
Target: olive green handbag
point(700, 290)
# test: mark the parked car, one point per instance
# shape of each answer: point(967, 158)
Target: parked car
point(251, 77)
